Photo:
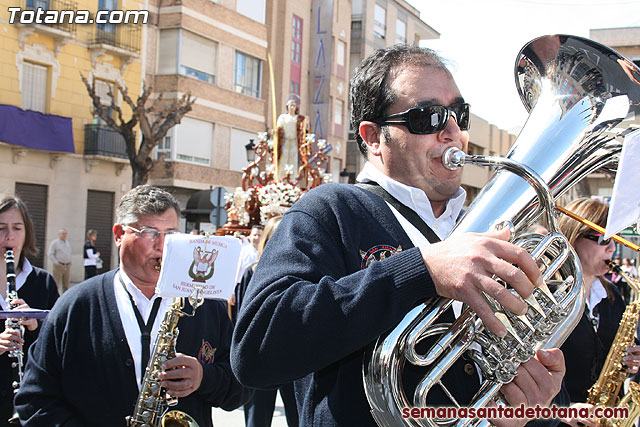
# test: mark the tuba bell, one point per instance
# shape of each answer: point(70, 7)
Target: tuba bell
point(582, 98)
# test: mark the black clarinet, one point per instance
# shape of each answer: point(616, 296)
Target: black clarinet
point(12, 296)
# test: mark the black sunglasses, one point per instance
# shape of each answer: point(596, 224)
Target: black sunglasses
point(427, 119)
point(599, 239)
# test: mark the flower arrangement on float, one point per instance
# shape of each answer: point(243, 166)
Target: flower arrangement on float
point(275, 198)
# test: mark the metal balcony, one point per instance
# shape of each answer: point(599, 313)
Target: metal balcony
point(66, 23)
point(101, 140)
point(125, 37)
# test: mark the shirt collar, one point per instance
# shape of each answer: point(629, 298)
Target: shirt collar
point(133, 289)
point(413, 197)
point(598, 293)
point(21, 277)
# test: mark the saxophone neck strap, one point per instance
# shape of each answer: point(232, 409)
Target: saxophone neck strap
point(409, 214)
point(145, 328)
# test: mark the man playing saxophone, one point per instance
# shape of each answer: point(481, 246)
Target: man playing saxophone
point(344, 267)
point(587, 347)
point(86, 368)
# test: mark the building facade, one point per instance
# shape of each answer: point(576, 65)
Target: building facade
point(217, 52)
point(243, 60)
point(68, 166)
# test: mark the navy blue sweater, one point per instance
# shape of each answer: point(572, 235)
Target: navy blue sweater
point(311, 308)
point(81, 371)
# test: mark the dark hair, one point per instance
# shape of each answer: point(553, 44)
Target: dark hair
point(29, 247)
point(144, 200)
point(370, 95)
point(258, 227)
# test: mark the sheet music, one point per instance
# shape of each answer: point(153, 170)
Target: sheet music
point(210, 262)
point(624, 208)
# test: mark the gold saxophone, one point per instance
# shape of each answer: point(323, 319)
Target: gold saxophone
point(152, 407)
point(605, 392)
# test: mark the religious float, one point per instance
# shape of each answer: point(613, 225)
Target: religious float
point(271, 184)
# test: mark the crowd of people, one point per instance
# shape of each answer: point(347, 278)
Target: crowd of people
point(315, 287)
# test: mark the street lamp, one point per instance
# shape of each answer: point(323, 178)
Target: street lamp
point(344, 176)
point(251, 151)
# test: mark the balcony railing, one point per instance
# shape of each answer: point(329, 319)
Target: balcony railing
point(122, 36)
point(66, 22)
point(101, 140)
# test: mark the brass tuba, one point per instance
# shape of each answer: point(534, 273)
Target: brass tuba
point(583, 98)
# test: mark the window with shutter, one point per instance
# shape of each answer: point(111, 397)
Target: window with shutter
point(34, 87)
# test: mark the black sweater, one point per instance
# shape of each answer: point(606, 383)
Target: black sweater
point(585, 350)
point(312, 308)
point(81, 371)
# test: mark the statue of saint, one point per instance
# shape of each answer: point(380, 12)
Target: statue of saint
point(292, 128)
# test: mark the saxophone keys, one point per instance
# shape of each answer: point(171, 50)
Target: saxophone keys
point(525, 353)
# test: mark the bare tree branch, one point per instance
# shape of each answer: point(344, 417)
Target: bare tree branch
point(153, 124)
point(99, 108)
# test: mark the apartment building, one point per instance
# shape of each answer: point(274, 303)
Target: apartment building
point(69, 167)
point(217, 52)
point(309, 42)
point(243, 60)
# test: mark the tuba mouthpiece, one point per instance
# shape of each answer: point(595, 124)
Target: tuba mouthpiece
point(453, 158)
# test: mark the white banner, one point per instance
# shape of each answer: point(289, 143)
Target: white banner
point(210, 262)
point(624, 208)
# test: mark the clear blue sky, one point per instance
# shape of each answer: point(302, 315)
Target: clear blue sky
point(482, 38)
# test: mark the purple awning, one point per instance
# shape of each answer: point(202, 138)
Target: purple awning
point(35, 130)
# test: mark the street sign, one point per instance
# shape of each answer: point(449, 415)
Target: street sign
point(217, 196)
point(218, 215)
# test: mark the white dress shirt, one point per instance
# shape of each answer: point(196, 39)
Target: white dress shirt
point(128, 317)
point(598, 293)
point(415, 199)
point(21, 278)
point(248, 255)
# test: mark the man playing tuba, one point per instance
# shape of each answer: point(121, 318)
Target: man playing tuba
point(344, 267)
